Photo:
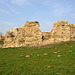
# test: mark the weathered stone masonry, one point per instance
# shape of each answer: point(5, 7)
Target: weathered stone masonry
point(30, 35)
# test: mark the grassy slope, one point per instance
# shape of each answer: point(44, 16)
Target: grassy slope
point(14, 62)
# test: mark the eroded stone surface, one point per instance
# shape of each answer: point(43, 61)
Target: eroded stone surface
point(2, 38)
point(30, 35)
point(63, 31)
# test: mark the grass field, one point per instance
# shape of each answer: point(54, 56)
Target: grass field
point(54, 60)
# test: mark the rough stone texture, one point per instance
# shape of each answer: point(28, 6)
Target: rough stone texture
point(30, 35)
point(46, 38)
point(2, 38)
point(10, 38)
point(46, 35)
point(72, 33)
point(63, 31)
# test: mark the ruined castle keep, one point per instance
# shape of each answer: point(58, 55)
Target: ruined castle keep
point(30, 35)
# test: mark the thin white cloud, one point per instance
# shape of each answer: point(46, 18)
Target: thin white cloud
point(6, 26)
point(60, 10)
point(31, 2)
point(10, 9)
point(18, 2)
point(72, 15)
point(47, 2)
point(4, 11)
point(14, 11)
point(8, 23)
point(21, 2)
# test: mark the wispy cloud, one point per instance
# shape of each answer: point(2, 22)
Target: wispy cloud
point(8, 23)
point(31, 2)
point(60, 10)
point(72, 15)
point(18, 2)
point(14, 11)
point(9, 9)
point(21, 2)
point(47, 2)
point(4, 11)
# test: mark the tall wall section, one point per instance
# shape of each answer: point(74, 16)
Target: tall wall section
point(28, 35)
point(63, 31)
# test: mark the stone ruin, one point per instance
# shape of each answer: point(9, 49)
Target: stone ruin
point(2, 38)
point(63, 31)
point(30, 35)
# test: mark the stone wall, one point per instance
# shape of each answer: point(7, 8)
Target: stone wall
point(2, 38)
point(30, 35)
point(11, 38)
point(46, 35)
point(72, 35)
point(63, 31)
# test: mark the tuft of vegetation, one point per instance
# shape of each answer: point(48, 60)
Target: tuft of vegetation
point(53, 60)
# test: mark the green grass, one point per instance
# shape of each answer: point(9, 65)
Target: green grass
point(14, 62)
point(1, 42)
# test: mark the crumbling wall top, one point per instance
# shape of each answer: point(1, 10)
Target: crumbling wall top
point(31, 24)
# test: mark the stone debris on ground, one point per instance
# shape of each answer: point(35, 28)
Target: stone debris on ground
point(37, 54)
point(49, 66)
point(59, 55)
point(58, 73)
point(45, 53)
point(55, 52)
point(27, 56)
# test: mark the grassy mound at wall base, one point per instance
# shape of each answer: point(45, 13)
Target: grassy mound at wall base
point(54, 60)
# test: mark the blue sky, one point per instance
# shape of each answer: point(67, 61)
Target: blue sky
point(14, 13)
